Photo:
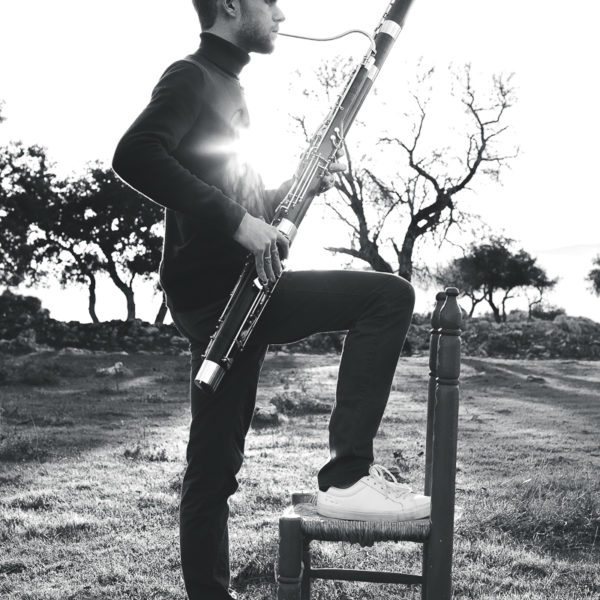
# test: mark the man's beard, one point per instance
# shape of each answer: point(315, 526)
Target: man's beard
point(255, 39)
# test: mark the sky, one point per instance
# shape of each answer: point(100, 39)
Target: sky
point(74, 74)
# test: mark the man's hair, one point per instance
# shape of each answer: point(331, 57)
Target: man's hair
point(207, 12)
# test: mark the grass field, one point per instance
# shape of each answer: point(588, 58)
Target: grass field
point(90, 470)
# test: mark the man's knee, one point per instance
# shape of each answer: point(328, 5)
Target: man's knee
point(207, 482)
point(398, 293)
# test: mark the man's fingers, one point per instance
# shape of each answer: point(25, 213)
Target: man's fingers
point(267, 260)
point(275, 261)
point(337, 167)
point(328, 179)
point(283, 245)
point(260, 267)
point(327, 182)
point(274, 247)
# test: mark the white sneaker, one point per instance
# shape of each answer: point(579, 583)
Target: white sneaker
point(373, 498)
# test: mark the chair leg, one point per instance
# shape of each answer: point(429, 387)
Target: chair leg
point(438, 550)
point(437, 570)
point(305, 583)
point(290, 559)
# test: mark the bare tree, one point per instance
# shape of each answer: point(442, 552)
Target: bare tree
point(383, 215)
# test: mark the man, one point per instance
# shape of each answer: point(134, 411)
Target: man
point(180, 153)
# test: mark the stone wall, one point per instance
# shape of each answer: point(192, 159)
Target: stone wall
point(27, 327)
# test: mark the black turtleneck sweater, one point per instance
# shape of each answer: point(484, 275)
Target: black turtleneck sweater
point(180, 152)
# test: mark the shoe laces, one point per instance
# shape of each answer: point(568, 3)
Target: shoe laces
point(387, 482)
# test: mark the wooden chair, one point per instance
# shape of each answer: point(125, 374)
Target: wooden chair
point(300, 524)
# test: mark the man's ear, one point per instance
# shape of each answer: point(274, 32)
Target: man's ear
point(231, 7)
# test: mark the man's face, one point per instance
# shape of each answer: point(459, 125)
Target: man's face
point(259, 25)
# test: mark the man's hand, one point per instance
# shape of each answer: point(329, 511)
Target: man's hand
point(266, 242)
point(328, 180)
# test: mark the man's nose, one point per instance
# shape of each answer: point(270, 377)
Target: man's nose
point(278, 17)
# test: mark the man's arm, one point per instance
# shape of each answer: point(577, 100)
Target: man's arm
point(144, 160)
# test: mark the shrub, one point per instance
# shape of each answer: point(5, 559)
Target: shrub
point(547, 313)
point(153, 454)
point(15, 447)
point(19, 313)
point(295, 403)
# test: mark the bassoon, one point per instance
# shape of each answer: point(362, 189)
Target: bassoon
point(250, 296)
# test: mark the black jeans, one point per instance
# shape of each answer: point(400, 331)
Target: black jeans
point(376, 309)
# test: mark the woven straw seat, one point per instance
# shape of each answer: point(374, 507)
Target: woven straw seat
point(300, 524)
point(365, 533)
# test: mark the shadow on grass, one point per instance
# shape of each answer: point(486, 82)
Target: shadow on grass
point(78, 412)
point(543, 383)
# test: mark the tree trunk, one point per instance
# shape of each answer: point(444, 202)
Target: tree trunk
point(378, 263)
point(530, 307)
point(369, 253)
point(405, 262)
point(130, 303)
point(126, 289)
point(495, 309)
point(92, 298)
point(162, 311)
point(474, 303)
point(504, 300)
